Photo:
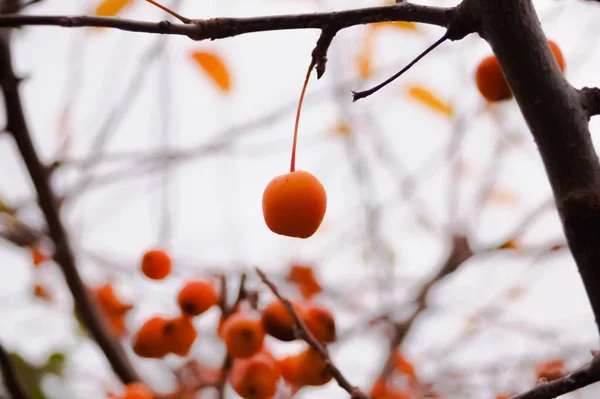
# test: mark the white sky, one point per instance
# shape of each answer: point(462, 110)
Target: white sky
point(214, 199)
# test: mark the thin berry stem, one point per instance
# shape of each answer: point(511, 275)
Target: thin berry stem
point(293, 162)
point(169, 11)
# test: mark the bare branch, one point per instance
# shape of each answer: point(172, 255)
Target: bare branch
point(13, 383)
point(17, 126)
point(459, 254)
point(579, 378)
point(304, 333)
point(218, 28)
point(558, 122)
point(357, 95)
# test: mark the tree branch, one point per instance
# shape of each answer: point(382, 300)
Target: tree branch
point(218, 28)
point(13, 383)
point(459, 253)
point(579, 378)
point(17, 126)
point(304, 333)
point(590, 100)
point(559, 124)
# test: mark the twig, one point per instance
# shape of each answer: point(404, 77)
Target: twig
point(15, 7)
point(579, 378)
point(459, 254)
point(13, 383)
point(357, 95)
point(218, 28)
point(304, 333)
point(17, 126)
point(227, 311)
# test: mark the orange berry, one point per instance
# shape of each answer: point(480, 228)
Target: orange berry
point(312, 370)
point(560, 59)
point(278, 322)
point(255, 377)
point(180, 335)
point(196, 297)
point(320, 322)
point(137, 390)
point(290, 369)
point(294, 204)
point(156, 264)
point(150, 341)
point(243, 336)
point(490, 80)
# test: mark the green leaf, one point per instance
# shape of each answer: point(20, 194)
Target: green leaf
point(56, 364)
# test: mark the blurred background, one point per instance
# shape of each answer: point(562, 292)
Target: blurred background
point(156, 150)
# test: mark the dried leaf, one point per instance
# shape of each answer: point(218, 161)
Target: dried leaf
point(365, 55)
point(557, 247)
point(304, 278)
point(515, 293)
point(39, 291)
point(111, 8)
point(463, 168)
point(112, 308)
point(426, 97)
point(38, 256)
point(551, 370)
point(501, 196)
point(340, 129)
point(404, 366)
point(214, 67)
point(396, 25)
point(510, 244)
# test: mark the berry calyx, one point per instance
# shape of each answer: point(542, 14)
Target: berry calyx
point(278, 322)
point(243, 335)
point(196, 297)
point(255, 377)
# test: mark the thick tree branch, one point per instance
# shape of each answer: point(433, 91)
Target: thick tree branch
point(558, 122)
point(218, 28)
point(590, 100)
point(579, 378)
point(12, 382)
point(17, 126)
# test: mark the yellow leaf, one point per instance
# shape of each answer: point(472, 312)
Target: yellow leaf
point(426, 97)
point(110, 8)
point(396, 25)
point(510, 244)
point(463, 168)
point(501, 196)
point(364, 56)
point(342, 129)
point(214, 67)
point(514, 293)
